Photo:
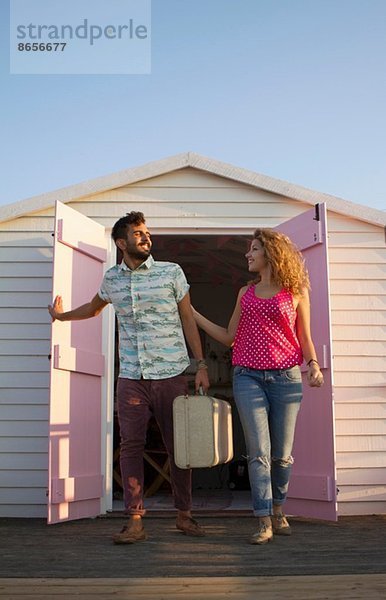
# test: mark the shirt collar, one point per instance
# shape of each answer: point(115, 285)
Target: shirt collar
point(145, 265)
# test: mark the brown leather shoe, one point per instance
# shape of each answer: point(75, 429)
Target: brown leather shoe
point(280, 525)
point(189, 526)
point(130, 535)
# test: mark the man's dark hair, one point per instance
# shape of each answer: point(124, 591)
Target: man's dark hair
point(120, 227)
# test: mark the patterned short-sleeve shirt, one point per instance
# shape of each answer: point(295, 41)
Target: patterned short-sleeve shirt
point(151, 339)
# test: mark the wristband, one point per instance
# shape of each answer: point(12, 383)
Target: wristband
point(201, 364)
point(312, 360)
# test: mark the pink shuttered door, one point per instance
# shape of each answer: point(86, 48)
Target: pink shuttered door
point(312, 491)
point(77, 366)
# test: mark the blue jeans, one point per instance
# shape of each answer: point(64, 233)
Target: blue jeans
point(268, 403)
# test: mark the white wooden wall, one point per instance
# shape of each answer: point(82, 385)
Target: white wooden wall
point(25, 291)
point(192, 200)
point(358, 301)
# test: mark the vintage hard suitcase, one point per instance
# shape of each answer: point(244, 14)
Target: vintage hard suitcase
point(202, 431)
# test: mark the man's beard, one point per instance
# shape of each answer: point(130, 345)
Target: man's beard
point(139, 252)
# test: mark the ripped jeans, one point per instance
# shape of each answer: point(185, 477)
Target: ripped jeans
point(268, 403)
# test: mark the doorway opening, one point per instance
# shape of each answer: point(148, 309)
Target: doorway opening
point(215, 268)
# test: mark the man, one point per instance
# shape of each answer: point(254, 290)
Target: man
point(152, 303)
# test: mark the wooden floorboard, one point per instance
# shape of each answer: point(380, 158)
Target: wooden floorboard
point(211, 588)
point(83, 549)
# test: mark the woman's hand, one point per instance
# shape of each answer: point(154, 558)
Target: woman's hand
point(314, 375)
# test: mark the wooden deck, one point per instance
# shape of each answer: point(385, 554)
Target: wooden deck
point(320, 560)
point(307, 587)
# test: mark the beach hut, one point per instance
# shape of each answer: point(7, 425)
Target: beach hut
point(56, 452)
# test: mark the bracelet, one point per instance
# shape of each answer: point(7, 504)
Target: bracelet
point(201, 364)
point(311, 361)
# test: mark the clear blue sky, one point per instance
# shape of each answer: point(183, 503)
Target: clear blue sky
point(294, 89)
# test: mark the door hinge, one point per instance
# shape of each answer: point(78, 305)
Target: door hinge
point(317, 215)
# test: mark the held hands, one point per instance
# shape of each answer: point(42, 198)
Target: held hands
point(56, 308)
point(314, 375)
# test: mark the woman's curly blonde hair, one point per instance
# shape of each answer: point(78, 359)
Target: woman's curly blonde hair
point(287, 264)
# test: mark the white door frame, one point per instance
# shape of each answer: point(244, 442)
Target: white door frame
point(109, 345)
point(107, 412)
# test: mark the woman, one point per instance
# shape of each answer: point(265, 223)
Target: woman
point(270, 333)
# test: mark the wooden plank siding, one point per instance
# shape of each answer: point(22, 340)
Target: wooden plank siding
point(194, 201)
point(357, 255)
point(25, 291)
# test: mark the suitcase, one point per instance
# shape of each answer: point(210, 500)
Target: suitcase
point(202, 431)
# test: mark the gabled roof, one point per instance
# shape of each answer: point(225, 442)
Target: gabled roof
point(196, 161)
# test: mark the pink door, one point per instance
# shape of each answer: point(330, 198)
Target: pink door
point(312, 491)
point(77, 366)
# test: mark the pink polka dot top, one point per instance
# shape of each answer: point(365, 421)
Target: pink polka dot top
point(266, 336)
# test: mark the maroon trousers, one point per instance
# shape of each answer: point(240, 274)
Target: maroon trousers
point(138, 400)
